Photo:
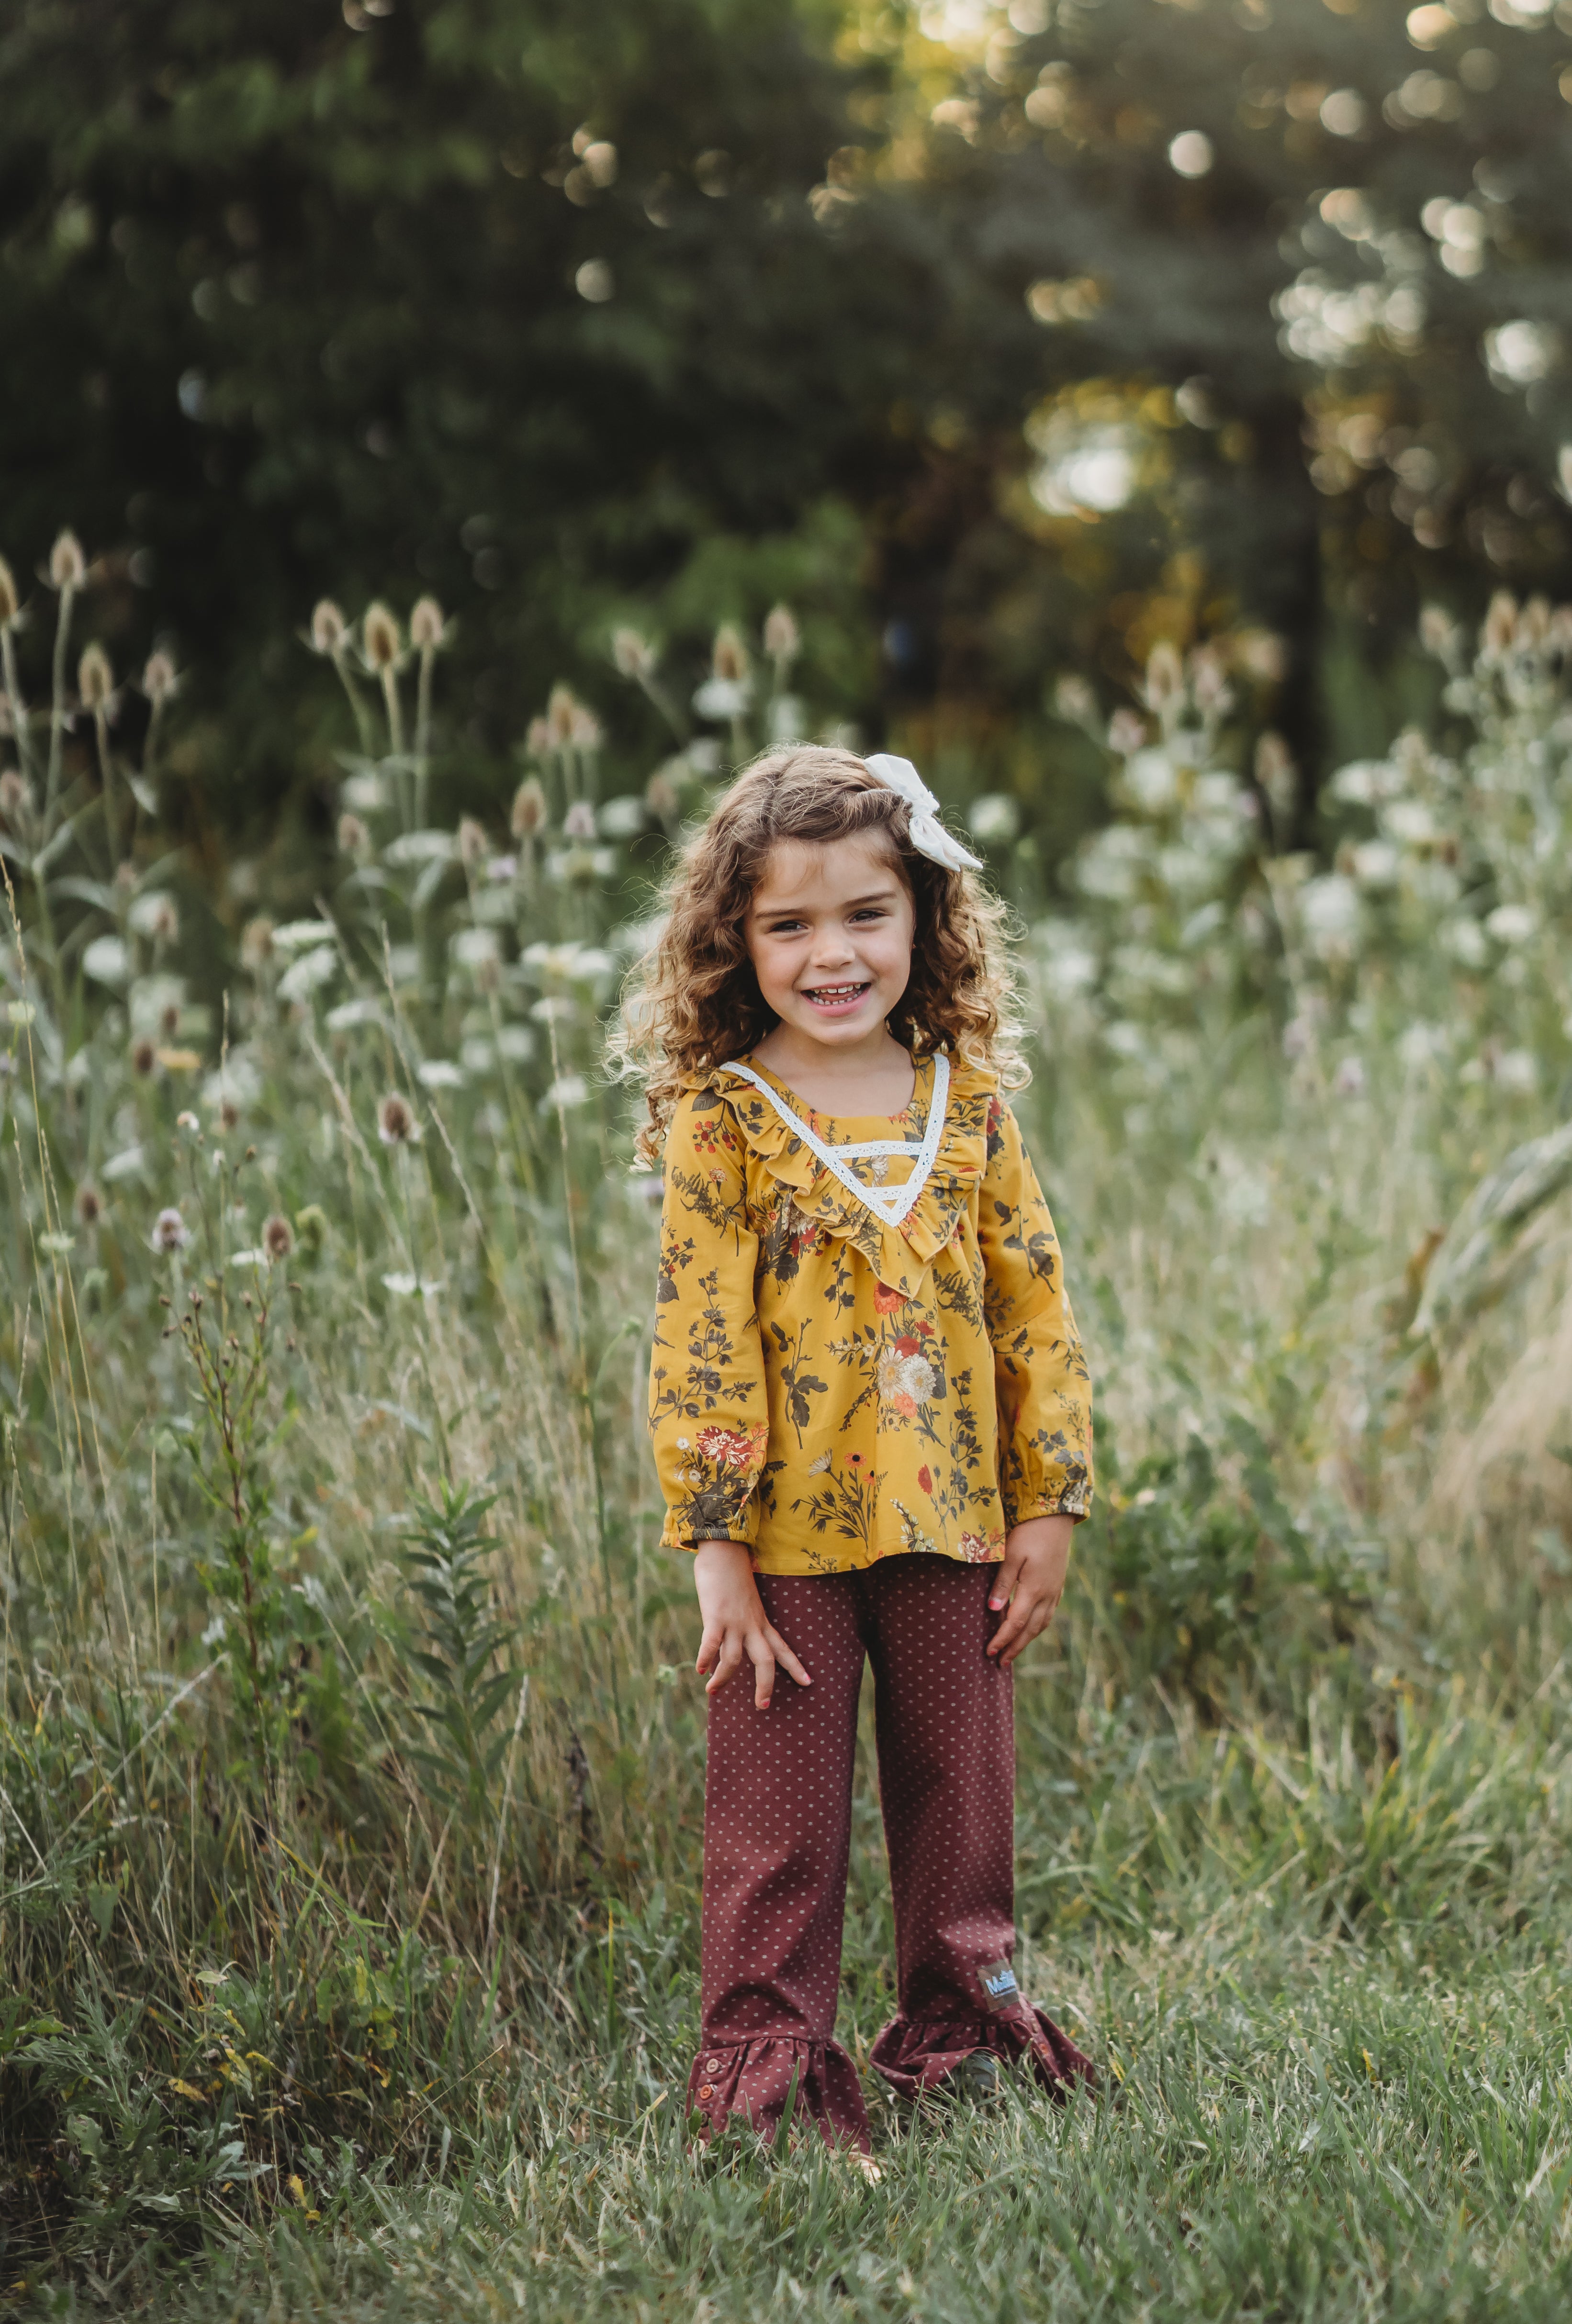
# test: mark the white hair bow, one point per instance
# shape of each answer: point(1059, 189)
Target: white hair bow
point(929, 836)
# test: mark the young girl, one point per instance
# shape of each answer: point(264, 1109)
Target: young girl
point(871, 1417)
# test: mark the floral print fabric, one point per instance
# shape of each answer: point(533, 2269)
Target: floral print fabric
point(830, 1389)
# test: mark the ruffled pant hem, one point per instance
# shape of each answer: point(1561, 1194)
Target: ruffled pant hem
point(913, 2054)
point(754, 2080)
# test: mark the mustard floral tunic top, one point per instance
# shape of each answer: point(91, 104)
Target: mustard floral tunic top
point(830, 1389)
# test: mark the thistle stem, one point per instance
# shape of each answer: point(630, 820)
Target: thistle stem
point(423, 737)
point(57, 716)
point(25, 757)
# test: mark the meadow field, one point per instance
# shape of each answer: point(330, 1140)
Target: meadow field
point(350, 1753)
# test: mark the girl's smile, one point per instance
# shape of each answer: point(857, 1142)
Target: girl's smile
point(829, 932)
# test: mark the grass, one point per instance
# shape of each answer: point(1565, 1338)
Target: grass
point(351, 1767)
point(1313, 2123)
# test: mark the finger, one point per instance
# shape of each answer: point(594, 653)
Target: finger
point(708, 1648)
point(786, 1658)
point(1013, 1632)
point(763, 1663)
point(1034, 1620)
point(730, 1663)
point(1005, 1583)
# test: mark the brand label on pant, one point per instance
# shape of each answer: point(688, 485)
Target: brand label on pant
point(997, 1980)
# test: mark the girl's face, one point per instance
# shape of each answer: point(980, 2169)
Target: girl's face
point(829, 933)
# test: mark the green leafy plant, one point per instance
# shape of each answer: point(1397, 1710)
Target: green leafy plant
point(463, 1648)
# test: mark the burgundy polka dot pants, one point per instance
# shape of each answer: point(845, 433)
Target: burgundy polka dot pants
point(777, 1836)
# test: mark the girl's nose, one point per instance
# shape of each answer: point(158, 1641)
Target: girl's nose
point(832, 949)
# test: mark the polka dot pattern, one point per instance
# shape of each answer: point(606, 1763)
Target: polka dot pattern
point(777, 1837)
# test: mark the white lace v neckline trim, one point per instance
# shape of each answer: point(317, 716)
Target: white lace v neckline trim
point(892, 1204)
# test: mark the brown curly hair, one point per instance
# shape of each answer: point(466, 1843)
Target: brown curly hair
point(693, 1003)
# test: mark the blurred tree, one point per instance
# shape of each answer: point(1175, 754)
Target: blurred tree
point(519, 300)
point(1047, 327)
point(1298, 275)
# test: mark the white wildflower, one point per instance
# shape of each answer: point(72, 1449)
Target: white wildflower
point(995, 819)
point(300, 936)
point(309, 973)
point(1329, 909)
point(1511, 924)
point(364, 1010)
point(567, 1090)
point(1376, 864)
point(107, 961)
point(622, 817)
point(475, 948)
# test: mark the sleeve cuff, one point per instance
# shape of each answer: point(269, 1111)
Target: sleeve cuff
point(1065, 1496)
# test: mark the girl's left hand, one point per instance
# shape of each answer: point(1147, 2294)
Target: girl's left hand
point(1031, 1582)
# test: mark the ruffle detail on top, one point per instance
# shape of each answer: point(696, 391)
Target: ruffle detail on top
point(914, 2053)
point(899, 1256)
point(753, 2080)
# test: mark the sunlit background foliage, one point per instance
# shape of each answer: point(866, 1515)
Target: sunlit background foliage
point(440, 443)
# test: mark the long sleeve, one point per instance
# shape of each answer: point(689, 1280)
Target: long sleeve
point(1043, 1386)
point(708, 1413)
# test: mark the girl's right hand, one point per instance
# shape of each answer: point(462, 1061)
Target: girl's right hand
point(735, 1624)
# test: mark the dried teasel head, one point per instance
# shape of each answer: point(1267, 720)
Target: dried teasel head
point(782, 638)
point(587, 732)
point(528, 808)
point(329, 627)
point(1276, 773)
point(161, 921)
point(1501, 624)
point(1534, 622)
point(729, 655)
point(1165, 676)
point(161, 678)
point(278, 1236)
point(170, 1231)
point(1127, 732)
point(395, 1121)
point(379, 633)
point(89, 1204)
point(561, 711)
point(474, 846)
point(1437, 632)
point(579, 823)
point(143, 1058)
point(661, 795)
point(68, 567)
point(1209, 681)
point(428, 628)
point(1261, 654)
point(354, 839)
point(95, 678)
point(1074, 701)
point(10, 604)
point(256, 942)
point(170, 1021)
point(537, 740)
point(632, 655)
